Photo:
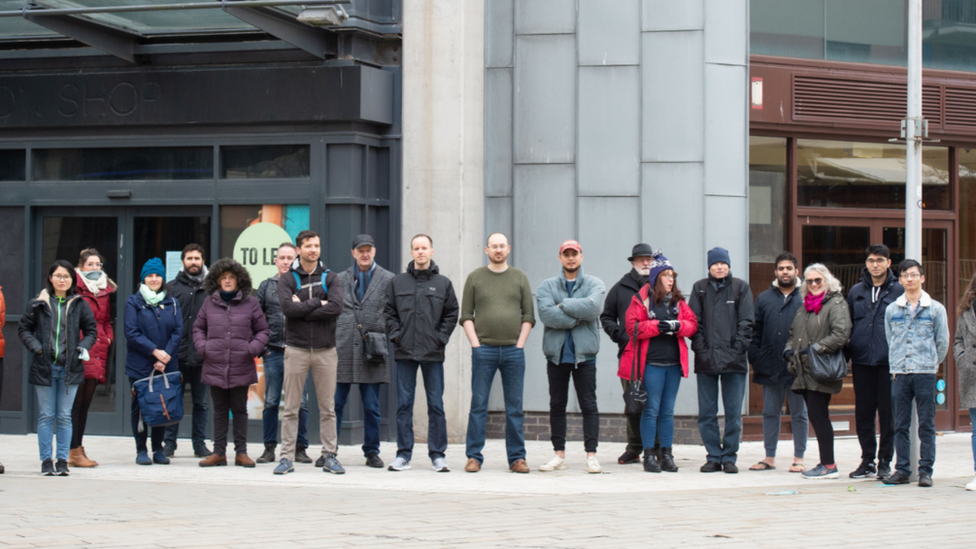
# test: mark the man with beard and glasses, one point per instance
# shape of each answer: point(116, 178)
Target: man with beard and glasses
point(188, 290)
point(497, 314)
point(612, 319)
point(774, 312)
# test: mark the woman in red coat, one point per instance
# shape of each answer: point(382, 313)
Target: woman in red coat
point(96, 288)
point(662, 321)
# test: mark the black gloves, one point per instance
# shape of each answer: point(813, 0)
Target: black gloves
point(668, 327)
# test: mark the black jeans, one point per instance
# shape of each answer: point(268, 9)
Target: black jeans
point(819, 414)
point(235, 400)
point(584, 379)
point(872, 395)
point(634, 443)
point(191, 377)
point(156, 433)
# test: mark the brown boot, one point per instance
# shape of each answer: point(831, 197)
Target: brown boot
point(85, 459)
point(74, 457)
point(214, 460)
point(243, 461)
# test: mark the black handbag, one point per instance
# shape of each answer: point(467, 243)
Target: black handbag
point(635, 397)
point(375, 346)
point(826, 367)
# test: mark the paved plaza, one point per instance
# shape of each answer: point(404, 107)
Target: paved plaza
point(120, 504)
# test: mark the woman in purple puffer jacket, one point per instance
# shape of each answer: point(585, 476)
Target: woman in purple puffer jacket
point(229, 333)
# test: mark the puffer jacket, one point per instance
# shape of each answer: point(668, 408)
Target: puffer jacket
point(310, 325)
point(615, 307)
point(823, 332)
point(267, 296)
point(725, 322)
point(774, 315)
point(101, 306)
point(869, 344)
point(352, 366)
point(917, 343)
point(229, 336)
point(647, 328)
point(36, 331)
point(190, 294)
point(964, 351)
point(578, 312)
point(421, 314)
point(148, 328)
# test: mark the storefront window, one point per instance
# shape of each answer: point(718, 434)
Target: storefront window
point(846, 174)
point(12, 283)
point(149, 163)
point(12, 164)
point(767, 208)
point(265, 162)
point(967, 218)
point(866, 31)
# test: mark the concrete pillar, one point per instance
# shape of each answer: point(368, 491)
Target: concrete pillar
point(443, 159)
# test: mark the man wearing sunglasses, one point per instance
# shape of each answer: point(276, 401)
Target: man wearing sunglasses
point(868, 352)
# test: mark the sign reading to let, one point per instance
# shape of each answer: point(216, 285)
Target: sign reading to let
point(256, 249)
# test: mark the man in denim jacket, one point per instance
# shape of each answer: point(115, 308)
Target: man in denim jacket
point(918, 340)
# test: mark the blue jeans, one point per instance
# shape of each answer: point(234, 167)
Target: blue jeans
point(198, 392)
point(972, 420)
point(433, 373)
point(657, 419)
point(54, 402)
point(274, 378)
point(485, 361)
point(721, 449)
point(370, 393)
point(921, 388)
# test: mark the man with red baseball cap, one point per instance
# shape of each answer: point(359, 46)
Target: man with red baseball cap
point(569, 306)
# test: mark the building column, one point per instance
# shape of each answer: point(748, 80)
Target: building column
point(443, 165)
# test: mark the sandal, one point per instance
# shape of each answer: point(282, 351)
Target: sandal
point(762, 466)
point(797, 468)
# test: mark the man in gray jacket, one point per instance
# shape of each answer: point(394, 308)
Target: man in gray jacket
point(569, 306)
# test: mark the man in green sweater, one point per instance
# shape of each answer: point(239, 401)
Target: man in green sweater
point(497, 315)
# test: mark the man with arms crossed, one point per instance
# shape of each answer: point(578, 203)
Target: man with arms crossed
point(311, 299)
point(421, 312)
point(497, 315)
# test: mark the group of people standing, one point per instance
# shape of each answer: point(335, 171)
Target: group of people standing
point(312, 325)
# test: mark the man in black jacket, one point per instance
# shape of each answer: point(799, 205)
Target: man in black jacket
point(612, 319)
point(311, 299)
point(187, 288)
point(723, 305)
point(421, 312)
point(868, 349)
point(774, 312)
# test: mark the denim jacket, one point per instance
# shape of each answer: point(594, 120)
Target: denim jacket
point(917, 343)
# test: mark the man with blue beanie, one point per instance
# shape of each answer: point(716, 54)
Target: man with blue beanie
point(723, 306)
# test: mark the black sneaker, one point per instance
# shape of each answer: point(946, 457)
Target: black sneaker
point(896, 478)
point(865, 470)
point(169, 448)
point(61, 467)
point(628, 457)
point(883, 469)
point(320, 463)
point(47, 467)
point(332, 465)
point(301, 456)
point(269, 454)
point(730, 468)
point(711, 467)
point(373, 460)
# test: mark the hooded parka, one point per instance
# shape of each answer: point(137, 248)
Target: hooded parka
point(774, 315)
point(869, 344)
point(823, 332)
point(148, 328)
point(37, 332)
point(101, 306)
point(725, 319)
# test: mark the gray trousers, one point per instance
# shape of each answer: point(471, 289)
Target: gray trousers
point(773, 396)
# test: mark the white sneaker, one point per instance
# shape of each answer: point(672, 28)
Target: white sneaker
point(399, 464)
point(592, 465)
point(440, 465)
point(555, 464)
point(972, 485)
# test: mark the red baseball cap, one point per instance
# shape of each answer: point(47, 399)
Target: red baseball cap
point(570, 245)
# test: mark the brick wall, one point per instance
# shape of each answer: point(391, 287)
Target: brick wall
point(613, 427)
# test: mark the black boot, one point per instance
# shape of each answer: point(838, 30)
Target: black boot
point(657, 450)
point(269, 453)
point(667, 460)
point(650, 462)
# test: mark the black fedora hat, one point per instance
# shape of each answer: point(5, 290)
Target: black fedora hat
point(641, 250)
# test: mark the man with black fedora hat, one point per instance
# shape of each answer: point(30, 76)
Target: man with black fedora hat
point(614, 312)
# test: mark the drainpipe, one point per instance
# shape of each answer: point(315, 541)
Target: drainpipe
point(914, 130)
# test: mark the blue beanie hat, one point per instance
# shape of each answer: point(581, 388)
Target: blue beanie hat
point(153, 266)
point(718, 255)
point(659, 264)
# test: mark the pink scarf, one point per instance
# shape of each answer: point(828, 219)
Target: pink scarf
point(814, 303)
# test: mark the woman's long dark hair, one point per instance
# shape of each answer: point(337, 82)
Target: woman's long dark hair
point(71, 273)
point(659, 291)
point(967, 297)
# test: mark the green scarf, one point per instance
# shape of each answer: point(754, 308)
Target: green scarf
point(150, 296)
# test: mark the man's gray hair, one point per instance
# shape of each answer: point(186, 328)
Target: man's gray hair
point(833, 285)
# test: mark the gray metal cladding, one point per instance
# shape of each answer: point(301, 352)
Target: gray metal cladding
point(545, 16)
point(609, 36)
point(545, 208)
point(498, 132)
point(545, 99)
point(609, 131)
point(672, 97)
